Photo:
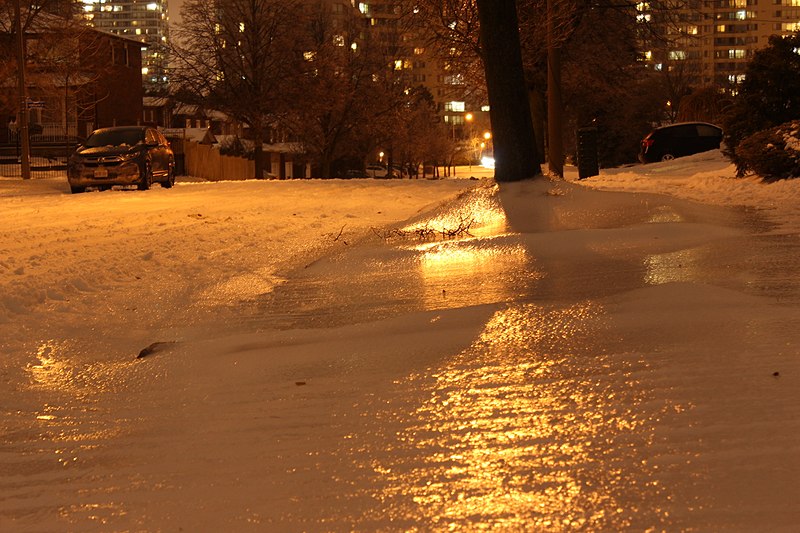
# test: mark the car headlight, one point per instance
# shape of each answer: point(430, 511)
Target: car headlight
point(127, 157)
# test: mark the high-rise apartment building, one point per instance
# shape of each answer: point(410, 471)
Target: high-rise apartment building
point(711, 41)
point(143, 20)
point(422, 66)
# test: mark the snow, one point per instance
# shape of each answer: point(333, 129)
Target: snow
point(613, 353)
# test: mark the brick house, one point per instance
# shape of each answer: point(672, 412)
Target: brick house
point(78, 79)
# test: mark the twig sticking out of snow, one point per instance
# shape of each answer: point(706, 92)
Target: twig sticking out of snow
point(426, 233)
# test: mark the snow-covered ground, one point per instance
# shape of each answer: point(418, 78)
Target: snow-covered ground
point(710, 178)
point(617, 353)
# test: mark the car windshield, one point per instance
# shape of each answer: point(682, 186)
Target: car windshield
point(126, 137)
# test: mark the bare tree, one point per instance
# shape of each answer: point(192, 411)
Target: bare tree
point(420, 139)
point(348, 93)
point(451, 30)
point(236, 56)
point(40, 20)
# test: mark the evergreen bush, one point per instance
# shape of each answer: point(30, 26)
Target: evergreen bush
point(768, 96)
point(773, 154)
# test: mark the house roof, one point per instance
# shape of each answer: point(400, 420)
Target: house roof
point(42, 22)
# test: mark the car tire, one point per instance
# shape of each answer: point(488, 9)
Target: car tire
point(146, 177)
point(667, 157)
point(74, 189)
point(170, 181)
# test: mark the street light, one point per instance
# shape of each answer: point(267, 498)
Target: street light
point(487, 161)
point(469, 117)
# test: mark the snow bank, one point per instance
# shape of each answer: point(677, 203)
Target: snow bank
point(711, 179)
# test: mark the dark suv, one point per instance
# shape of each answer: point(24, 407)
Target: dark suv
point(677, 140)
point(123, 155)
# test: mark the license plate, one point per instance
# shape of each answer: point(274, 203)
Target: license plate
point(100, 173)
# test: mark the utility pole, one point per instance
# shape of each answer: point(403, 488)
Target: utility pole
point(22, 113)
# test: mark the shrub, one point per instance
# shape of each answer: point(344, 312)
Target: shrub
point(773, 154)
point(233, 146)
point(769, 94)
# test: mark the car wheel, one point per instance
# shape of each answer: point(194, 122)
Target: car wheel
point(146, 178)
point(667, 157)
point(170, 181)
point(74, 189)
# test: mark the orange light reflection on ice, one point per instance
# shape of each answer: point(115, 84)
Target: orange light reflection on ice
point(526, 431)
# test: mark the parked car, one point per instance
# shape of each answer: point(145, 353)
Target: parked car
point(377, 171)
point(355, 173)
point(678, 140)
point(122, 155)
point(397, 171)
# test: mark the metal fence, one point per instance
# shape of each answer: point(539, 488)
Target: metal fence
point(41, 167)
point(50, 146)
point(47, 132)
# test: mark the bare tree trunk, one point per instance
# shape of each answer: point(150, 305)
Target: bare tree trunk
point(555, 141)
point(516, 157)
point(258, 152)
point(539, 119)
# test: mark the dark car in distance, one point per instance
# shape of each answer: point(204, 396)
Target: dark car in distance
point(678, 140)
point(122, 155)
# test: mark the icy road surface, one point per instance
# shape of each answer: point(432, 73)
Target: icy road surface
point(566, 359)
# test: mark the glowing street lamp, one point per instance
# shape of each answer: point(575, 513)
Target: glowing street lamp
point(486, 160)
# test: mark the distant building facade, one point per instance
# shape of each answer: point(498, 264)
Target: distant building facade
point(463, 109)
point(711, 42)
point(145, 21)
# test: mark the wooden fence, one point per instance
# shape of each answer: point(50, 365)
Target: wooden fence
point(204, 161)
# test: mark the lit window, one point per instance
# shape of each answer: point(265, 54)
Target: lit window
point(338, 40)
point(309, 56)
point(458, 107)
point(152, 6)
point(241, 27)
